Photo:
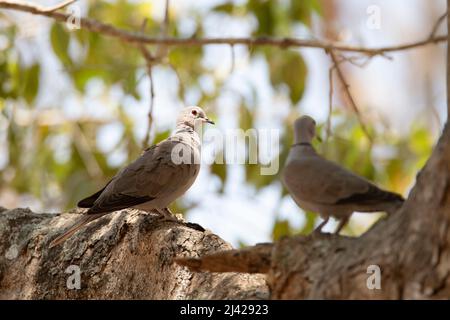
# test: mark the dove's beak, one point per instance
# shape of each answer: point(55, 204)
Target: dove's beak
point(208, 121)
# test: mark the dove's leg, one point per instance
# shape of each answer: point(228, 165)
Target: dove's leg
point(167, 214)
point(342, 223)
point(173, 217)
point(321, 225)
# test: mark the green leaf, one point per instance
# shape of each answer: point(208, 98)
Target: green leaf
point(302, 10)
point(82, 76)
point(281, 229)
point(31, 82)
point(160, 136)
point(130, 85)
point(245, 118)
point(288, 68)
point(421, 145)
point(220, 169)
point(265, 15)
point(310, 222)
point(225, 8)
point(60, 43)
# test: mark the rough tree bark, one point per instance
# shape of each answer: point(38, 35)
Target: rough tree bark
point(125, 255)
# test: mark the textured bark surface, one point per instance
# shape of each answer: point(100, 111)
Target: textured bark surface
point(124, 255)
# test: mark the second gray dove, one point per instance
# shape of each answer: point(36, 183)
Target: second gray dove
point(319, 185)
point(162, 174)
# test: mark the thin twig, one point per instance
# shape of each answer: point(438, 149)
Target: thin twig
point(437, 24)
point(330, 105)
point(162, 49)
point(59, 6)
point(233, 59)
point(165, 28)
point(355, 60)
point(139, 37)
point(346, 87)
point(150, 110)
point(85, 150)
point(150, 60)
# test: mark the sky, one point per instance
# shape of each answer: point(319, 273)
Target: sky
point(386, 90)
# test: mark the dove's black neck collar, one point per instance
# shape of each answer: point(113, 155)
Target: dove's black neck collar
point(184, 129)
point(305, 144)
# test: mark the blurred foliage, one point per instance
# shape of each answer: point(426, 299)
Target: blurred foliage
point(58, 161)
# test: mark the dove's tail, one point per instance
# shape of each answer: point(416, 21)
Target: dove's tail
point(77, 226)
point(375, 200)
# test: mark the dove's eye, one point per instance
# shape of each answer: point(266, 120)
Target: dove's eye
point(194, 112)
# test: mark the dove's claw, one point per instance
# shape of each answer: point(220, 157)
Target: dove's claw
point(318, 230)
point(341, 225)
point(167, 215)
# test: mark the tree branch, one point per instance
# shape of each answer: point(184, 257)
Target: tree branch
point(346, 87)
point(139, 37)
point(128, 254)
point(150, 60)
point(254, 260)
point(161, 51)
point(151, 103)
point(437, 24)
point(330, 105)
point(48, 9)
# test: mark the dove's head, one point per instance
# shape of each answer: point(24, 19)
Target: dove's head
point(304, 129)
point(192, 117)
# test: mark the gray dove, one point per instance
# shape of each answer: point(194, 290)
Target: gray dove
point(322, 186)
point(163, 173)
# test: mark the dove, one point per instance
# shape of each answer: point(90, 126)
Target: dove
point(163, 173)
point(319, 185)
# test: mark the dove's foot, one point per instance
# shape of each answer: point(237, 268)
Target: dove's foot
point(318, 230)
point(167, 215)
point(341, 225)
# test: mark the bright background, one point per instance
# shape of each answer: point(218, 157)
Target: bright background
point(73, 105)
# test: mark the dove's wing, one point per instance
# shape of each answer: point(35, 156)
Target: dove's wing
point(317, 180)
point(153, 175)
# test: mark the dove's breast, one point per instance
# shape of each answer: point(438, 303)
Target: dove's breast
point(184, 177)
point(297, 178)
point(183, 184)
